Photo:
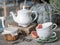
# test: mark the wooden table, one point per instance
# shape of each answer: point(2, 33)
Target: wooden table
point(32, 42)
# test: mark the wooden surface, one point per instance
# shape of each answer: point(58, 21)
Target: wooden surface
point(5, 11)
point(23, 40)
point(28, 29)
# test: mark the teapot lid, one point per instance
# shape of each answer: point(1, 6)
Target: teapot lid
point(24, 10)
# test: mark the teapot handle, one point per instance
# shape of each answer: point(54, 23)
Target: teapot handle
point(55, 26)
point(35, 15)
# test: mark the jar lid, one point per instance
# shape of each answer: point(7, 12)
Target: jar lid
point(10, 30)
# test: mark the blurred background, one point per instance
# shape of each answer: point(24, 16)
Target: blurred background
point(56, 16)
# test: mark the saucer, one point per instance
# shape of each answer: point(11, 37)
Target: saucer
point(47, 40)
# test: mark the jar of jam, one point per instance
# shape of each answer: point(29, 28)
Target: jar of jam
point(10, 33)
point(9, 37)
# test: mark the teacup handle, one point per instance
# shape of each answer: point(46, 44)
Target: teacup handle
point(53, 35)
point(55, 26)
point(35, 15)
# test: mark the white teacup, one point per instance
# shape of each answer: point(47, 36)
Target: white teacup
point(46, 30)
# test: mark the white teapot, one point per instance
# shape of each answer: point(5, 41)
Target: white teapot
point(23, 17)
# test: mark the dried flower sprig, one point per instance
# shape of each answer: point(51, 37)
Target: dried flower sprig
point(56, 5)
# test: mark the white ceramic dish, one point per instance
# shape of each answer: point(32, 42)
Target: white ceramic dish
point(48, 40)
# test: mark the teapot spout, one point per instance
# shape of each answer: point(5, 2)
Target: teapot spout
point(14, 17)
